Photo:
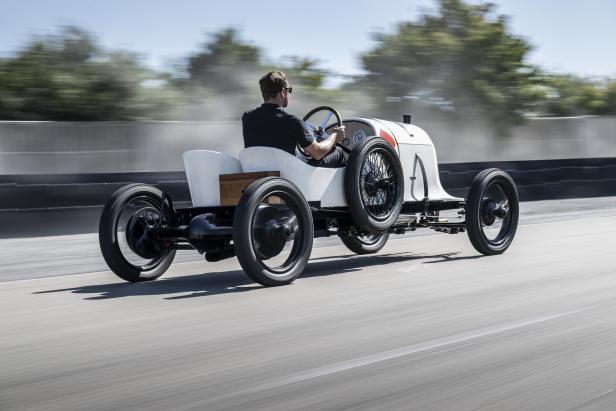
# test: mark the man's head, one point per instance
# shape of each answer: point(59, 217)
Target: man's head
point(275, 88)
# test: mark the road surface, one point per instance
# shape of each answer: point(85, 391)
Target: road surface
point(425, 324)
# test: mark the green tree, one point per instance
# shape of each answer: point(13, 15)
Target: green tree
point(305, 72)
point(67, 77)
point(461, 59)
point(224, 62)
point(610, 98)
point(569, 95)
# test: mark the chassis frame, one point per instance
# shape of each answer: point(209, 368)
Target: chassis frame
point(215, 239)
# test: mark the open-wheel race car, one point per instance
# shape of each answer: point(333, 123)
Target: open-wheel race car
point(267, 206)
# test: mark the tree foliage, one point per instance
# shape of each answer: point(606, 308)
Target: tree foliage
point(223, 62)
point(567, 95)
point(305, 72)
point(67, 77)
point(461, 59)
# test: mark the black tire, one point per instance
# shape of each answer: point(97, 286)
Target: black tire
point(250, 233)
point(365, 244)
point(374, 205)
point(492, 211)
point(127, 205)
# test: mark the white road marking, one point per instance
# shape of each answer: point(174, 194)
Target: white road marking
point(399, 352)
point(593, 399)
point(53, 277)
point(409, 269)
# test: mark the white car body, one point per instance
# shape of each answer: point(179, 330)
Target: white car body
point(317, 184)
point(140, 229)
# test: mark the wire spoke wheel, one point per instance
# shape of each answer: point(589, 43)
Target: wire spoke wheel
point(378, 189)
point(374, 185)
point(365, 244)
point(369, 239)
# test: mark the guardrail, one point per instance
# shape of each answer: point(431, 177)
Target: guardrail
point(54, 204)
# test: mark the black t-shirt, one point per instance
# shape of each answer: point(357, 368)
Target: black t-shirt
point(271, 126)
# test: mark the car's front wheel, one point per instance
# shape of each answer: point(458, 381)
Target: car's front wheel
point(374, 185)
point(365, 244)
point(492, 211)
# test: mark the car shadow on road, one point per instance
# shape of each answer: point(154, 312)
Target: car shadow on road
point(234, 281)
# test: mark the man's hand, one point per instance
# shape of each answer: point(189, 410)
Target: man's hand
point(339, 133)
point(318, 150)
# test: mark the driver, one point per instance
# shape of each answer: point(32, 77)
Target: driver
point(270, 125)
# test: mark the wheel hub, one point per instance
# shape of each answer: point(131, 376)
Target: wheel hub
point(490, 210)
point(139, 230)
point(501, 210)
point(487, 212)
point(371, 184)
point(272, 229)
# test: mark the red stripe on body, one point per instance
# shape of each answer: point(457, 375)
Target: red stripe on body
point(384, 134)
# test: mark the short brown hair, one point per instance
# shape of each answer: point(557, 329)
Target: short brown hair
point(272, 83)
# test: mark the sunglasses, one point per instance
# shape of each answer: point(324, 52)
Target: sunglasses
point(289, 89)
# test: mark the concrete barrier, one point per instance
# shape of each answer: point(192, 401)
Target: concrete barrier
point(109, 147)
point(115, 147)
point(52, 204)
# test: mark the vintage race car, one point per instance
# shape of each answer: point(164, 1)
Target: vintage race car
point(390, 185)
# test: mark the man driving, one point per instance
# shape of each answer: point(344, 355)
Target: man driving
point(270, 125)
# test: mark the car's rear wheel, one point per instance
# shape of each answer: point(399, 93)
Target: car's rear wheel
point(365, 244)
point(374, 185)
point(126, 228)
point(492, 211)
point(273, 231)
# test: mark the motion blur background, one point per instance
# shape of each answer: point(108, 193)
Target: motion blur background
point(128, 86)
point(96, 94)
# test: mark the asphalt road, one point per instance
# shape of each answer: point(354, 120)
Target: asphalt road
point(425, 324)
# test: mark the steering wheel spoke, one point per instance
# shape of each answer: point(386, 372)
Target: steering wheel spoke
point(326, 119)
point(312, 126)
point(319, 131)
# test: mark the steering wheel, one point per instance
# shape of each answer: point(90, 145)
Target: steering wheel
point(319, 131)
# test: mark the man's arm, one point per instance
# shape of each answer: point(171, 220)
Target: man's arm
point(318, 149)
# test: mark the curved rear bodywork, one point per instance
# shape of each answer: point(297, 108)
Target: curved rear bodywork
point(202, 170)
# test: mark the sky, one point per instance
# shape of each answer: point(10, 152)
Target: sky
point(571, 36)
